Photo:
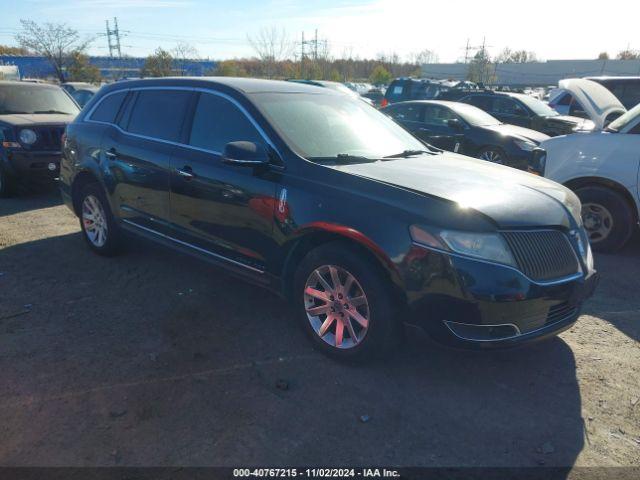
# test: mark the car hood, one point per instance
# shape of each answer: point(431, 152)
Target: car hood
point(520, 132)
point(510, 197)
point(596, 100)
point(24, 120)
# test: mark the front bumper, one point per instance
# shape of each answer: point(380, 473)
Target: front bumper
point(477, 304)
point(41, 165)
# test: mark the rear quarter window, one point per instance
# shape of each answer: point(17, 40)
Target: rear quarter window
point(107, 109)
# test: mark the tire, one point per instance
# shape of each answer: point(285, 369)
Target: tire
point(607, 217)
point(486, 153)
point(383, 330)
point(93, 200)
point(6, 185)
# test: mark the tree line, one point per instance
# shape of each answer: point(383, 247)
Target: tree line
point(275, 57)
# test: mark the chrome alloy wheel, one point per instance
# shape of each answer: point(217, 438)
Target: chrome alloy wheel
point(336, 306)
point(597, 221)
point(491, 156)
point(94, 221)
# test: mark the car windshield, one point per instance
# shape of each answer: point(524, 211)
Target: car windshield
point(474, 116)
point(321, 127)
point(537, 106)
point(622, 121)
point(34, 99)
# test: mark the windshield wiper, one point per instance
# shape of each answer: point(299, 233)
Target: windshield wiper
point(409, 153)
point(53, 111)
point(344, 158)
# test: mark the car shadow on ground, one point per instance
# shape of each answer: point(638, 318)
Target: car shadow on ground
point(613, 302)
point(153, 358)
point(30, 198)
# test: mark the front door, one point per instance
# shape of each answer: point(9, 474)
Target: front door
point(138, 153)
point(511, 111)
point(221, 208)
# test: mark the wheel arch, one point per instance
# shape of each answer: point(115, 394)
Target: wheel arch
point(81, 179)
point(581, 182)
point(316, 235)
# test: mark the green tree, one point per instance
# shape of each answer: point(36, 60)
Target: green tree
point(603, 56)
point(380, 75)
point(80, 70)
point(158, 64)
point(230, 68)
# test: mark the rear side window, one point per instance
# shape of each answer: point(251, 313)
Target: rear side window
point(217, 121)
point(159, 114)
point(407, 113)
point(483, 102)
point(108, 108)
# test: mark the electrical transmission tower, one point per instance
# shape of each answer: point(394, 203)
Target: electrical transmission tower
point(313, 50)
point(113, 39)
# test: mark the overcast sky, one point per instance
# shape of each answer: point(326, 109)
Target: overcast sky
point(554, 29)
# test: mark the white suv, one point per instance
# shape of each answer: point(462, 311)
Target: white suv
point(603, 168)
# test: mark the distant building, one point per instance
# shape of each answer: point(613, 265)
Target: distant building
point(110, 68)
point(537, 74)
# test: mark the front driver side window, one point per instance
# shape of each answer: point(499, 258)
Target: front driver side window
point(217, 121)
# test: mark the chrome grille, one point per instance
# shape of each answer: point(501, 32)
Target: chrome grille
point(543, 254)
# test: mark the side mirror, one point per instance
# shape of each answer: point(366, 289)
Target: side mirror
point(455, 124)
point(245, 154)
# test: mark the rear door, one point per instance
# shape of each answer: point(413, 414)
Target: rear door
point(409, 115)
point(223, 209)
point(138, 154)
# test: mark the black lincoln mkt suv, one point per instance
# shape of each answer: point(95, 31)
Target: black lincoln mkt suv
point(329, 203)
point(32, 120)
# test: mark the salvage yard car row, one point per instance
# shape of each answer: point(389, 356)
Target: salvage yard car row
point(329, 203)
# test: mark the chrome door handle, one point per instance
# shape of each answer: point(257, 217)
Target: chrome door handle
point(186, 173)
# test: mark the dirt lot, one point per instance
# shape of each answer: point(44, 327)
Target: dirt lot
point(151, 358)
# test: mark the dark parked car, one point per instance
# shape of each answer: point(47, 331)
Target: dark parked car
point(462, 128)
point(83, 95)
point(404, 89)
point(332, 205)
point(33, 117)
point(626, 89)
point(525, 111)
point(71, 87)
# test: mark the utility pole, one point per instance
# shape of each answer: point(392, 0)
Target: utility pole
point(109, 39)
point(466, 52)
point(302, 57)
point(315, 42)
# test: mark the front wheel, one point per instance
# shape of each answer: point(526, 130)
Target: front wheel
point(96, 220)
point(493, 155)
point(607, 218)
point(345, 303)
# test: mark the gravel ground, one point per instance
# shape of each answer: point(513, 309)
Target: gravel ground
point(152, 358)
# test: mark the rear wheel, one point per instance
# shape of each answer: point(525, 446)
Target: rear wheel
point(98, 225)
point(607, 218)
point(345, 303)
point(493, 155)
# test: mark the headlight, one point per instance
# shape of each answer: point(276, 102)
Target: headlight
point(27, 136)
point(525, 145)
point(487, 246)
point(584, 247)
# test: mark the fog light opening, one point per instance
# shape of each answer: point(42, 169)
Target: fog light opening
point(483, 333)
